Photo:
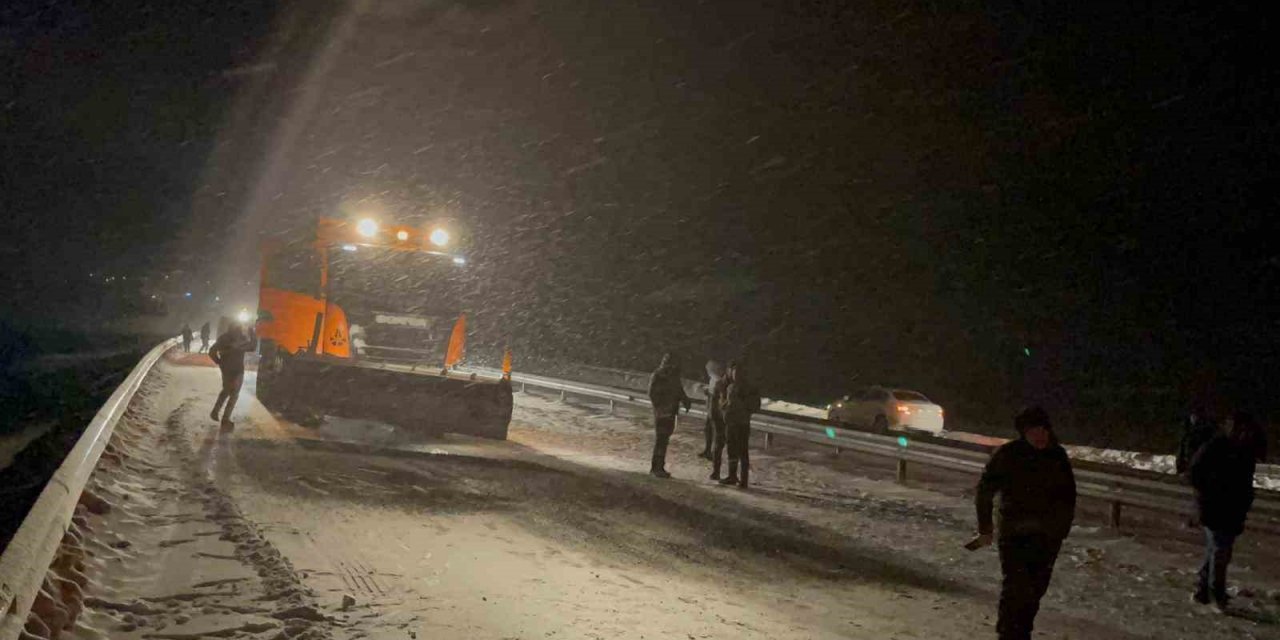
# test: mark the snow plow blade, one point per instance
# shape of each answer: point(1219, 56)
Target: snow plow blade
point(416, 402)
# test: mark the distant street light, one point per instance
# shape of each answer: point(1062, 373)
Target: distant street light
point(367, 227)
point(402, 235)
point(439, 237)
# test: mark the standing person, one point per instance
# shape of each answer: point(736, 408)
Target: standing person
point(1222, 475)
point(1196, 431)
point(186, 337)
point(228, 353)
point(204, 337)
point(1037, 506)
point(715, 402)
point(715, 371)
point(738, 401)
point(666, 393)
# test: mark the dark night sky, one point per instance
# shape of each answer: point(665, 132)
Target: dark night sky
point(891, 192)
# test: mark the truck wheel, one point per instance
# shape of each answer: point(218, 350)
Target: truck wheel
point(270, 368)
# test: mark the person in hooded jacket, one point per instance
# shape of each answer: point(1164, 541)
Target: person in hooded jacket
point(204, 337)
point(1037, 492)
point(715, 423)
point(666, 394)
point(1222, 474)
point(228, 353)
point(186, 337)
point(738, 401)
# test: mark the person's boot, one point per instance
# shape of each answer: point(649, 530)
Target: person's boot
point(659, 473)
point(732, 478)
point(213, 415)
point(746, 471)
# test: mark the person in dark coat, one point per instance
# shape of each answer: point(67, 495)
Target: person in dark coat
point(739, 401)
point(714, 423)
point(1037, 506)
point(1197, 430)
point(1222, 475)
point(204, 337)
point(228, 353)
point(186, 337)
point(666, 394)
point(715, 402)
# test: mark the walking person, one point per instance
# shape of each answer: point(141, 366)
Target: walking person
point(739, 401)
point(204, 337)
point(228, 353)
point(715, 371)
point(1222, 475)
point(186, 337)
point(666, 394)
point(1037, 506)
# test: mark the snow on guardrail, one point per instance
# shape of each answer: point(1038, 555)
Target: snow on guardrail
point(25, 566)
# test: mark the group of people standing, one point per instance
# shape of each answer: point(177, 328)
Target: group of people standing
point(188, 337)
point(730, 398)
point(1033, 478)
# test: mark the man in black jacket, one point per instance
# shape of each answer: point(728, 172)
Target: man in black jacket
point(228, 353)
point(1037, 506)
point(738, 401)
point(1222, 474)
point(666, 394)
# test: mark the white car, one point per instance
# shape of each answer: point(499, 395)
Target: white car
point(886, 409)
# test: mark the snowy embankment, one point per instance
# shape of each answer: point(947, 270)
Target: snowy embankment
point(1267, 477)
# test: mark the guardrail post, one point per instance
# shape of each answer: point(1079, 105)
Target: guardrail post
point(611, 407)
point(1113, 519)
point(838, 451)
point(768, 439)
point(522, 389)
point(902, 471)
point(562, 395)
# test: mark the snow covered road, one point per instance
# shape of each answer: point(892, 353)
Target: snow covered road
point(272, 530)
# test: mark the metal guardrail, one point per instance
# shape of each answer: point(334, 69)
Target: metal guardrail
point(26, 559)
point(1118, 486)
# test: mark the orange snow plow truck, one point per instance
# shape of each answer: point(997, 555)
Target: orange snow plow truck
point(366, 321)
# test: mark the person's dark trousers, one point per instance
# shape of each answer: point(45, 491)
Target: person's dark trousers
point(1027, 564)
point(186, 346)
point(663, 428)
point(709, 431)
point(231, 382)
point(1213, 572)
point(717, 448)
point(739, 436)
